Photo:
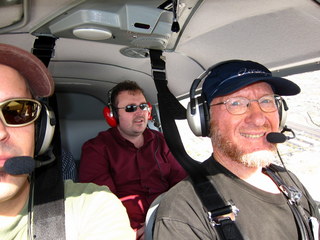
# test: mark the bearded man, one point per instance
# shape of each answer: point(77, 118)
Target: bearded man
point(244, 104)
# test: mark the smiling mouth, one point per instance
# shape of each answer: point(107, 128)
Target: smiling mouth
point(253, 136)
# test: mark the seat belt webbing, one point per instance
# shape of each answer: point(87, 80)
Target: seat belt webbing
point(48, 208)
point(293, 200)
point(43, 48)
point(171, 109)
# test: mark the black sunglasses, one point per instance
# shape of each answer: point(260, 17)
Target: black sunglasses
point(19, 112)
point(133, 107)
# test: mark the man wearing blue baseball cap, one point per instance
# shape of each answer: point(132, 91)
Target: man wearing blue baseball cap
point(245, 115)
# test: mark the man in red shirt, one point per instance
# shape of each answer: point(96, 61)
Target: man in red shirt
point(132, 160)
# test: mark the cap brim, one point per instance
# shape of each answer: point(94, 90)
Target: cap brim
point(30, 67)
point(280, 86)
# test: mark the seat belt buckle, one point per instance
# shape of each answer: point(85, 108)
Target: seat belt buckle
point(292, 193)
point(227, 213)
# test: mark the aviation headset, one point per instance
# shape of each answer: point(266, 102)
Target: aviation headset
point(198, 115)
point(45, 127)
point(111, 114)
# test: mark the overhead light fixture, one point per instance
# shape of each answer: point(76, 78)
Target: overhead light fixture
point(92, 33)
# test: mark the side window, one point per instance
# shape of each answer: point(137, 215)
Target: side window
point(199, 148)
point(301, 154)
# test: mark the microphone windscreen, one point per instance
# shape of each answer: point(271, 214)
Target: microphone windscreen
point(19, 165)
point(275, 137)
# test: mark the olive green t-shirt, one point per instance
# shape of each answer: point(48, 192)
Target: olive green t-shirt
point(262, 215)
point(92, 212)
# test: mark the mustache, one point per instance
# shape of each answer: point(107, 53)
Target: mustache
point(265, 127)
point(9, 149)
point(140, 118)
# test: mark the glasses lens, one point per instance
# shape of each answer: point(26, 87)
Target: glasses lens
point(268, 103)
point(18, 112)
point(143, 106)
point(237, 105)
point(131, 108)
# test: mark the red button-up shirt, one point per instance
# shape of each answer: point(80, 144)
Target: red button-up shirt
point(136, 175)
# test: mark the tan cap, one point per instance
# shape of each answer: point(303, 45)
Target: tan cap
point(30, 67)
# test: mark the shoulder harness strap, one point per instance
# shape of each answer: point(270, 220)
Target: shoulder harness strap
point(46, 203)
point(219, 211)
point(293, 196)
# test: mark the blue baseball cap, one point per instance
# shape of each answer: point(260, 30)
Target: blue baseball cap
point(227, 77)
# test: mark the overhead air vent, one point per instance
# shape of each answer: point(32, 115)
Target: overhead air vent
point(142, 25)
point(150, 42)
point(135, 52)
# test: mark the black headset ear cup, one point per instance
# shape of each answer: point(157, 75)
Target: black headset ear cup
point(44, 130)
point(198, 117)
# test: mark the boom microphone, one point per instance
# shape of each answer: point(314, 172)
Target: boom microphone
point(25, 164)
point(19, 165)
point(276, 137)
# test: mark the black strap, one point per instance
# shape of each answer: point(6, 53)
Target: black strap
point(43, 48)
point(171, 109)
point(47, 206)
point(48, 210)
point(293, 200)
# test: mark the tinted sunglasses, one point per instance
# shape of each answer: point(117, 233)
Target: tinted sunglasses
point(19, 112)
point(133, 107)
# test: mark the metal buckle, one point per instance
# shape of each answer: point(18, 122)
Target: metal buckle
point(291, 192)
point(231, 215)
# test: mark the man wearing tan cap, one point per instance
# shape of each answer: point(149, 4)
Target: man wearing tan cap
point(91, 211)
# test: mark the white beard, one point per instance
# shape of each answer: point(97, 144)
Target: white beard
point(258, 159)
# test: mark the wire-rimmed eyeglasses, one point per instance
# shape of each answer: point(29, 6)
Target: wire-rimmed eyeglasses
point(240, 105)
